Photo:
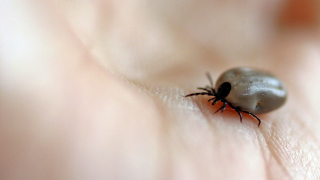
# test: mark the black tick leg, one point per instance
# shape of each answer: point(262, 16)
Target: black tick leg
point(197, 94)
point(253, 116)
point(222, 108)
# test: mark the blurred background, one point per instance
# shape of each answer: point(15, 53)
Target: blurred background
point(142, 39)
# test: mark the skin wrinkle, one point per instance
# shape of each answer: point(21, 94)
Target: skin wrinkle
point(307, 162)
point(174, 102)
point(264, 153)
point(164, 141)
point(261, 142)
point(293, 146)
point(279, 154)
point(279, 161)
point(272, 149)
point(273, 152)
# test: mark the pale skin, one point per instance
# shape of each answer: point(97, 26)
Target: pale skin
point(94, 90)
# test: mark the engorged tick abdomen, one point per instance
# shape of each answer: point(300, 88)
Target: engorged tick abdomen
point(253, 90)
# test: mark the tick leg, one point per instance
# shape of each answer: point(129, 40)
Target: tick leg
point(222, 107)
point(215, 101)
point(210, 79)
point(212, 89)
point(197, 94)
point(212, 99)
point(205, 89)
point(253, 116)
point(238, 111)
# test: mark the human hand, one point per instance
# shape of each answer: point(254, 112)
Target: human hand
point(94, 90)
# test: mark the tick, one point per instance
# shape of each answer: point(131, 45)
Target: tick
point(246, 90)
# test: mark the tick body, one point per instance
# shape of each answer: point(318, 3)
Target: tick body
point(246, 90)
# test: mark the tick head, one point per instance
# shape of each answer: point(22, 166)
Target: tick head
point(224, 90)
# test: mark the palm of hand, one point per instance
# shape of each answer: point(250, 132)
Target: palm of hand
point(103, 98)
